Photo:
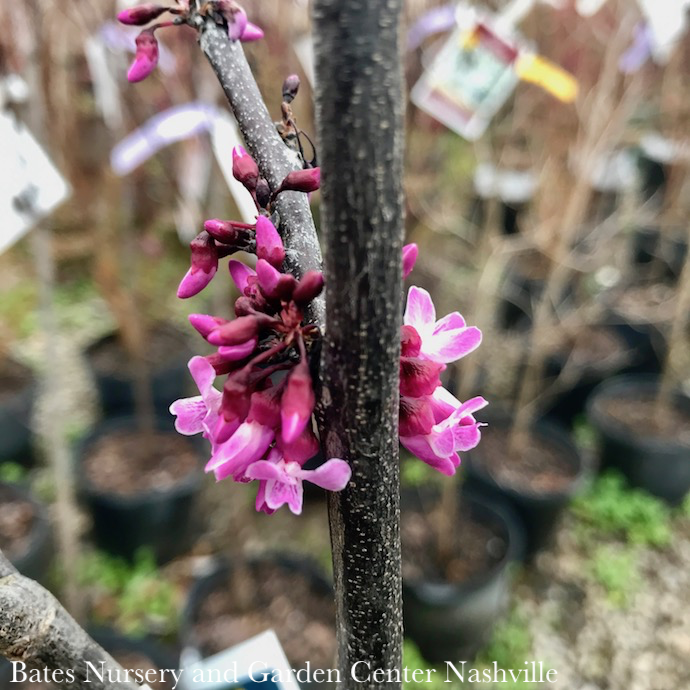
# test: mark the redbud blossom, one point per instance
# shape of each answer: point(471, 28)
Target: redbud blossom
point(251, 32)
point(225, 231)
point(244, 168)
point(273, 283)
point(235, 332)
point(235, 16)
point(419, 376)
point(306, 180)
point(146, 57)
point(140, 15)
point(269, 246)
point(204, 266)
point(308, 288)
point(204, 323)
point(409, 257)
point(297, 403)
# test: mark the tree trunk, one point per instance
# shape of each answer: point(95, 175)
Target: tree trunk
point(360, 120)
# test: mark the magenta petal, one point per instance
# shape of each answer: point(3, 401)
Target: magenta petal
point(252, 32)
point(333, 475)
point(418, 446)
point(203, 373)
point(204, 323)
point(466, 436)
point(232, 353)
point(140, 69)
point(245, 446)
point(279, 493)
point(450, 322)
point(268, 276)
point(190, 413)
point(194, 282)
point(237, 24)
point(443, 404)
point(419, 311)
point(449, 346)
point(471, 406)
point(292, 425)
point(409, 257)
point(263, 469)
point(240, 274)
point(269, 246)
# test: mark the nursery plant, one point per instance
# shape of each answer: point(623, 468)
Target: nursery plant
point(290, 361)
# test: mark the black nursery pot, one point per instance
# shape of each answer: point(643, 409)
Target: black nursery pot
point(661, 466)
point(163, 520)
point(16, 404)
point(195, 651)
point(170, 379)
point(539, 510)
point(35, 558)
point(451, 621)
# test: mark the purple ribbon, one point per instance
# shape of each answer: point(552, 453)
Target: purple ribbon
point(434, 21)
point(172, 125)
point(639, 52)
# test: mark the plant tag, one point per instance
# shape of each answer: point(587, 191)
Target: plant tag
point(30, 185)
point(470, 78)
point(257, 664)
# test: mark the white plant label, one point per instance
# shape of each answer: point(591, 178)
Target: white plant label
point(30, 185)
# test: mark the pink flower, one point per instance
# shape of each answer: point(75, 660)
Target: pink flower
point(232, 458)
point(280, 480)
point(146, 56)
point(240, 274)
point(307, 180)
point(409, 258)
point(455, 430)
point(200, 413)
point(142, 14)
point(445, 340)
point(308, 288)
point(204, 266)
point(244, 168)
point(297, 403)
point(252, 32)
point(235, 16)
point(269, 246)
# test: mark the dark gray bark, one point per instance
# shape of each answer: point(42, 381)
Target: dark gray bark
point(360, 118)
point(36, 629)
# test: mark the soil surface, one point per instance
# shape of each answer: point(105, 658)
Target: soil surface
point(638, 418)
point(539, 467)
point(275, 597)
point(131, 462)
point(164, 345)
point(479, 548)
point(16, 521)
point(128, 660)
point(14, 378)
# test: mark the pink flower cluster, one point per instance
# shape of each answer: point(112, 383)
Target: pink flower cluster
point(434, 425)
point(226, 12)
point(260, 424)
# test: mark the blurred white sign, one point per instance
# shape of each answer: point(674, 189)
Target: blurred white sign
point(30, 185)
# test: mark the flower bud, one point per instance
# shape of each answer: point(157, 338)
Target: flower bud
point(140, 15)
point(235, 332)
point(235, 16)
point(244, 168)
point(309, 287)
point(146, 57)
point(419, 377)
point(263, 193)
point(204, 266)
point(269, 246)
point(273, 283)
point(297, 403)
point(290, 88)
point(240, 273)
point(265, 408)
point(410, 341)
point(306, 180)
point(409, 257)
point(204, 323)
point(234, 353)
point(252, 32)
point(416, 416)
point(224, 231)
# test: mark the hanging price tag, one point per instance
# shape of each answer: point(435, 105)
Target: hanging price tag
point(30, 185)
point(470, 78)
